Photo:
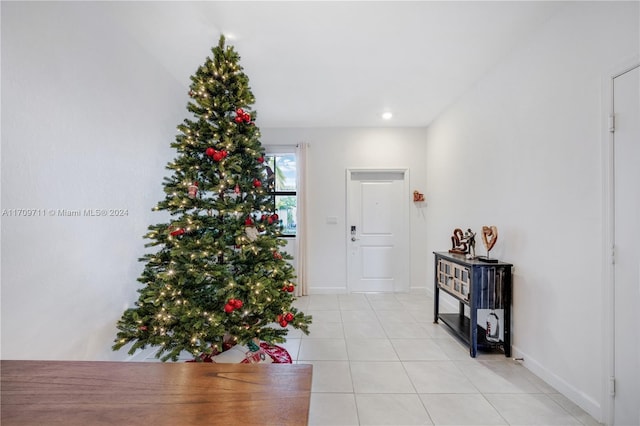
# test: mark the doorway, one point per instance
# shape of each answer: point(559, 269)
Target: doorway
point(625, 137)
point(378, 249)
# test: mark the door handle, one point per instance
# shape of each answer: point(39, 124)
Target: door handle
point(354, 239)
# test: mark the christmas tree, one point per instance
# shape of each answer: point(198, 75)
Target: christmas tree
point(217, 276)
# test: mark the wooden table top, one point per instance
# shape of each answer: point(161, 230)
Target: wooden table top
point(152, 393)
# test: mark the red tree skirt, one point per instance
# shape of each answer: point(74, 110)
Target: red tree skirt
point(277, 354)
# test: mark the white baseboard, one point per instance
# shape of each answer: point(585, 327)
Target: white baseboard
point(587, 403)
point(142, 355)
point(343, 290)
point(447, 303)
point(327, 290)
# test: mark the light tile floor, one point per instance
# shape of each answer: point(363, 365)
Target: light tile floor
point(379, 360)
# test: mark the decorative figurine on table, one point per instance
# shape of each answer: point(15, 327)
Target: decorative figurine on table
point(489, 238)
point(458, 246)
point(470, 237)
point(460, 241)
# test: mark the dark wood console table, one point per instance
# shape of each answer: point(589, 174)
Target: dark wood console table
point(149, 393)
point(485, 290)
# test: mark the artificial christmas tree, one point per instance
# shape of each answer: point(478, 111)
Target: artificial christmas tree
point(218, 276)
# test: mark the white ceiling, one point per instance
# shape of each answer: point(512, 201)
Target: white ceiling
point(319, 64)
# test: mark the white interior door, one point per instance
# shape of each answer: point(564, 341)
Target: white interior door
point(377, 231)
point(626, 175)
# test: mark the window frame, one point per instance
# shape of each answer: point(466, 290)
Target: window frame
point(274, 152)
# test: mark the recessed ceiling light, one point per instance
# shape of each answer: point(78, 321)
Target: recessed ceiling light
point(387, 115)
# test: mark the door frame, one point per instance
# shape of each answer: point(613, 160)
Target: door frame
point(405, 214)
point(608, 289)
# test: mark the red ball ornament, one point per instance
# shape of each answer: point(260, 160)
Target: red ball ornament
point(228, 308)
point(277, 255)
point(284, 323)
point(288, 317)
point(248, 221)
point(242, 116)
point(261, 160)
point(279, 318)
point(257, 183)
point(264, 217)
point(236, 303)
point(275, 216)
point(217, 156)
point(143, 327)
point(210, 151)
point(289, 288)
point(176, 232)
point(237, 189)
point(224, 153)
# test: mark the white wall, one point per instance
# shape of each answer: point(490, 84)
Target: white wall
point(522, 151)
point(84, 126)
point(331, 153)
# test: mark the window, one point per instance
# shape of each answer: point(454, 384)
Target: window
point(281, 173)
